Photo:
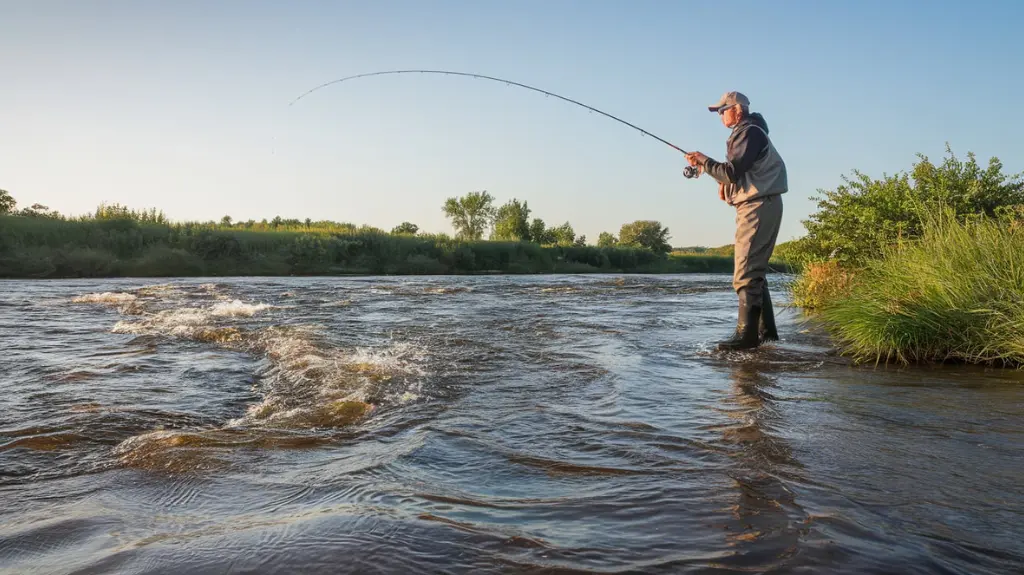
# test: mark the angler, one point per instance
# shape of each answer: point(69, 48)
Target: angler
point(752, 179)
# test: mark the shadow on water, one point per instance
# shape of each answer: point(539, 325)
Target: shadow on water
point(766, 519)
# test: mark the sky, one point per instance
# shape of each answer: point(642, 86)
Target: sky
point(185, 105)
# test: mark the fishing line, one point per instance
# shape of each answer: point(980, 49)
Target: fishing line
point(688, 171)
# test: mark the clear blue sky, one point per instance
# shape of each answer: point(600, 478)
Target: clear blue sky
point(183, 105)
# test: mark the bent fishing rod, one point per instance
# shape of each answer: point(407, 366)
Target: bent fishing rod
point(688, 171)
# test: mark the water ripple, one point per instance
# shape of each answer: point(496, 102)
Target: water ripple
point(534, 424)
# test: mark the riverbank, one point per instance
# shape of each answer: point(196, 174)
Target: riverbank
point(33, 247)
point(921, 273)
point(957, 294)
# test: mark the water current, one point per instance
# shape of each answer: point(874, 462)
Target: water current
point(525, 424)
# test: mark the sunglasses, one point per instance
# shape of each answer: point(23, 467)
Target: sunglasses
point(721, 111)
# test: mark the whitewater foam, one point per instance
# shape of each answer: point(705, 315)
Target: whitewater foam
point(237, 308)
point(110, 298)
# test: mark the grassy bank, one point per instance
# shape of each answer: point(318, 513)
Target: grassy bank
point(956, 293)
point(918, 267)
point(38, 247)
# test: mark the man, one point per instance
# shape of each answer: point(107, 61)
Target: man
point(752, 179)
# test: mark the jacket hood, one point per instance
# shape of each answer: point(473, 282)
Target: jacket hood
point(756, 119)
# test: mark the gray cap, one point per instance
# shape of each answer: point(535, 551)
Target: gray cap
point(730, 99)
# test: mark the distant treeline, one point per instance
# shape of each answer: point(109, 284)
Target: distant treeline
point(50, 247)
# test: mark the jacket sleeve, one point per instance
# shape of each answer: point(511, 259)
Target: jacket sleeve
point(743, 152)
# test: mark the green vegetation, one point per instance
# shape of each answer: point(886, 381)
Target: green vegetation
point(955, 294)
point(7, 203)
point(512, 222)
point(471, 214)
point(117, 241)
point(860, 218)
point(925, 266)
point(405, 228)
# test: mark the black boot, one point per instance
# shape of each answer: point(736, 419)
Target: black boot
point(746, 328)
point(766, 330)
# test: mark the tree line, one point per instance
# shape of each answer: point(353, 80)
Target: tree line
point(473, 214)
point(117, 241)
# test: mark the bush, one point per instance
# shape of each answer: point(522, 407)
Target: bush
point(957, 293)
point(164, 262)
point(857, 220)
point(85, 262)
point(424, 265)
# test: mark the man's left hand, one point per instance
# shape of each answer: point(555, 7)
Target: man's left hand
point(696, 158)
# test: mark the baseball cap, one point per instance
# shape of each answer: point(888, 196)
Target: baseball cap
point(730, 99)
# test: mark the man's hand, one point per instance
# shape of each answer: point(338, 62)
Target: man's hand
point(721, 191)
point(696, 158)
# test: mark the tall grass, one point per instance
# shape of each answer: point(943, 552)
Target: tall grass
point(819, 283)
point(60, 248)
point(955, 294)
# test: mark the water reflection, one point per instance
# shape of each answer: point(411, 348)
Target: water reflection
point(765, 516)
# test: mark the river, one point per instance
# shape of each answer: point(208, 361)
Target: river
point(523, 424)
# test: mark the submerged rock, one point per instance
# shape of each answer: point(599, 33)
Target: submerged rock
point(340, 413)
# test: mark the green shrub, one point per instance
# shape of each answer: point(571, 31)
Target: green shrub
point(857, 220)
point(957, 293)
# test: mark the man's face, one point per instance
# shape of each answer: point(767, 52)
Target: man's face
point(730, 116)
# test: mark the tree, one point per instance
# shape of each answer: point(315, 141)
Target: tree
point(226, 221)
point(406, 228)
point(606, 240)
point(36, 210)
point(40, 211)
point(564, 234)
point(117, 211)
point(863, 215)
point(540, 234)
point(471, 214)
point(7, 203)
point(511, 222)
point(647, 234)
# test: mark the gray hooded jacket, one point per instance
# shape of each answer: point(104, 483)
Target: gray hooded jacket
point(753, 167)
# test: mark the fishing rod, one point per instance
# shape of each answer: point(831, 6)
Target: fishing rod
point(688, 171)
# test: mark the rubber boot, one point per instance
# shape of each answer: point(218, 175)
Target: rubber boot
point(746, 328)
point(766, 329)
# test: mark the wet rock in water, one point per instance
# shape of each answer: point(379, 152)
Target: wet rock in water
point(132, 308)
point(340, 413)
point(48, 442)
point(217, 334)
point(170, 451)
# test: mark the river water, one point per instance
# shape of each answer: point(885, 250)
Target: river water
point(525, 424)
